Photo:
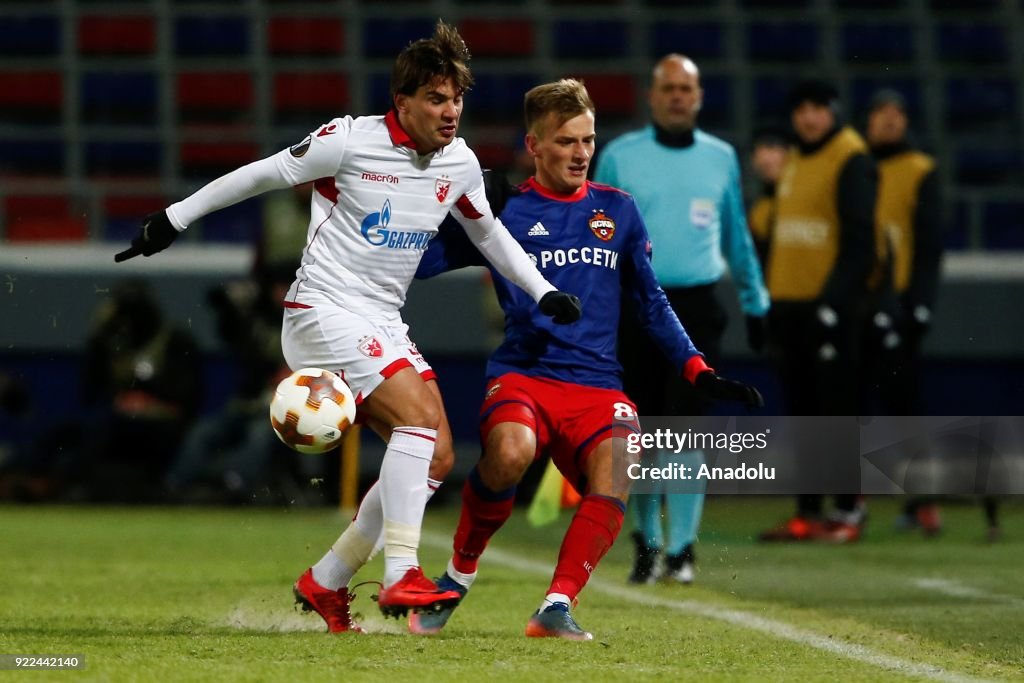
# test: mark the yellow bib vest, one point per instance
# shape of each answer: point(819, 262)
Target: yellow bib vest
point(805, 242)
point(899, 182)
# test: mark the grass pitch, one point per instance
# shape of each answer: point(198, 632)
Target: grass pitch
point(205, 595)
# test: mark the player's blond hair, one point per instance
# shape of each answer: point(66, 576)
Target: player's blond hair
point(444, 55)
point(566, 99)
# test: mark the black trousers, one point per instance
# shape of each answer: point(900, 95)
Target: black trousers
point(649, 380)
point(814, 385)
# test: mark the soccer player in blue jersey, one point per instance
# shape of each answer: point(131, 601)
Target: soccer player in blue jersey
point(557, 389)
point(687, 185)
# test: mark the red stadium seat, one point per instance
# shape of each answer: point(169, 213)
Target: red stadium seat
point(214, 96)
point(498, 38)
point(304, 36)
point(310, 91)
point(31, 96)
point(43, 218)
point(613, 94)
point(107, 35)
point(209, 159)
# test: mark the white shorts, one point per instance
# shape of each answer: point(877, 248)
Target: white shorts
point(362, 352)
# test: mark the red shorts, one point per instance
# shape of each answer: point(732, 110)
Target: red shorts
point(570, 420)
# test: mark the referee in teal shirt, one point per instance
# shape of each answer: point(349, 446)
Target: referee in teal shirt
point(687, 185)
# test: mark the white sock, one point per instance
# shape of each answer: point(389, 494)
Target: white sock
point(354, 547)
point(432, 486)
point(552, 598)
point(464, 580)
point(403, 495)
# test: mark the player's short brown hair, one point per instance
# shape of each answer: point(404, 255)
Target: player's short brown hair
point(567, 98)
point(444, 55)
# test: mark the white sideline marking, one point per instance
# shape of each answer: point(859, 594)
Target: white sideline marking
point(960, 590)
point(735, 617)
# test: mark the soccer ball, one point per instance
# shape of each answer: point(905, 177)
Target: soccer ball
point(311, 409)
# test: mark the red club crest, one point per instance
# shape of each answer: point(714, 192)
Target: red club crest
point(371, 347)
point(602, 225)
point(441, 187)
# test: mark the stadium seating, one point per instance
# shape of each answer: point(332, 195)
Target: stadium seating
point(94, 98)
point(43, 218)
point(698, 40)
point(31, 97)
point(308, 98)
point(305, 36)
point(124, 36)
point(119, 97)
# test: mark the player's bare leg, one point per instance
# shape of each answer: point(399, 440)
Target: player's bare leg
point(591, 533)
point(487, 499)
point(329, 578)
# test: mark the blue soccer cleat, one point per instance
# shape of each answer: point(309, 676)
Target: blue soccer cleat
point(429, 622)
point(555, 621)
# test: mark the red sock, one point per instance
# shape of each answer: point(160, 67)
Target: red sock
point(593, 529)
point(483, 513)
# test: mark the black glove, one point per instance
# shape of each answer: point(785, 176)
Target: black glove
point(156, 234)
point(563, 307)
point(498, 190)
point(757, 332)
point(722, 389)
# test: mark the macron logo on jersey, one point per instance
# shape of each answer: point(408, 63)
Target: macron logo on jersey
point(538, 230)
point(375, 231)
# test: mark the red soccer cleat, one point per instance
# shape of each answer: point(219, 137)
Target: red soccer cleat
point(838, 532)
point(794, 529)
point(332, 606)
point(414, 591)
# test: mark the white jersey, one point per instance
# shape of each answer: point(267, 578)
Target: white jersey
point(376, 205)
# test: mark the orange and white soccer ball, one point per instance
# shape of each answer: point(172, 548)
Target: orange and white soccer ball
point(311, 409)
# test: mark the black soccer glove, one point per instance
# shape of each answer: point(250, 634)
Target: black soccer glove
point(563, 307)
point(498, 190)
point(722, 389)
point(757, 332)
point(155, 235)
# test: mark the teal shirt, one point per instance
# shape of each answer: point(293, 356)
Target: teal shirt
point(691, 201)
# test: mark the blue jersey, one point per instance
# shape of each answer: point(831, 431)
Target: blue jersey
point(691, 200)
point(593, 244)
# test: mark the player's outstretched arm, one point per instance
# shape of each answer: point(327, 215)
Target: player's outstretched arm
point(723, 389)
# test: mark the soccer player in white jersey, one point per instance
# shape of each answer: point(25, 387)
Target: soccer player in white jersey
point(383, 186)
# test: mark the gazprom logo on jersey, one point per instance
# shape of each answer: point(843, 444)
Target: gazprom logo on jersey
point(375, 230)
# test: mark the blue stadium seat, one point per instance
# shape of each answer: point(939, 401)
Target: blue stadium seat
point(972, 43)
point(30, 36)
point(873, 5)
point(987, 165)
point(877, 42)
point(774, 4)
point(980, 103)
point(718, 109)
point(598, 39)
point(241, 223)
point(123, 158)
point(119, 97)
point(387, 37)
point(208, 36)
point(982, 6)
point(770, 97)
point(956, 237)
point(698, 40)
point(19, 156)
point(499, 97)
point(863, 89)
point(1004, 225)
point(796, 41)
